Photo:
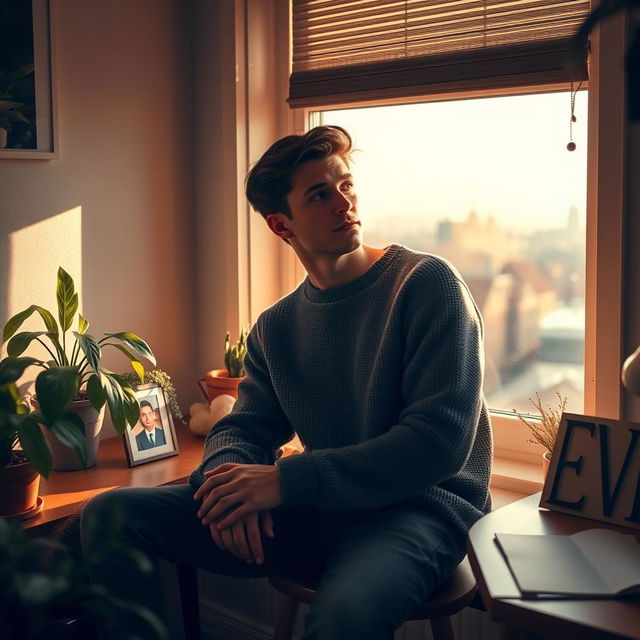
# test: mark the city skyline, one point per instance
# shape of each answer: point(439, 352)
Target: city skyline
point(503, 157)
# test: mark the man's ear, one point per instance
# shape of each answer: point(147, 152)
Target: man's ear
point(277, 222)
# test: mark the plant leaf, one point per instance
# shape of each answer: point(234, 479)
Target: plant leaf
point(115, 401)
point(19, 343)
point(14, 323)
point(131, 405)
point(11, 368)
point(90, 348)
point(49, 320)
point(83, 325)
point(96, 393)
point(135, 363)
point(34, 445)
point(69, 429)
point(67, 299)
point(7, 403)
point(135, 343)
point(56, 388)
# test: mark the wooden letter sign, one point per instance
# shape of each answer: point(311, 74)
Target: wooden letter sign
point(595, 470)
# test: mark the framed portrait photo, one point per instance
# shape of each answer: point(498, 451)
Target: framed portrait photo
point(153, 436)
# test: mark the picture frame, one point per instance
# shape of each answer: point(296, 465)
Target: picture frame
point(155, 421)
point(36, 139)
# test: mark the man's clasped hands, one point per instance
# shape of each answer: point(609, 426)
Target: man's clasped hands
point(236, 503)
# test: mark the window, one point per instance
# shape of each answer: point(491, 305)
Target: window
point(489, 184)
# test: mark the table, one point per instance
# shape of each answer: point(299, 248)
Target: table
point(583, 619)
point(64, 492)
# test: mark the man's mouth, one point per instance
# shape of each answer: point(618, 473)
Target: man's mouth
point(347, 225)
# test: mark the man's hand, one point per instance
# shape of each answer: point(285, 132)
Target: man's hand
point(243, 538)
point(237, 490)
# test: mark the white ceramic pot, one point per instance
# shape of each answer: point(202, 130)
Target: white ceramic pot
point(65, 458)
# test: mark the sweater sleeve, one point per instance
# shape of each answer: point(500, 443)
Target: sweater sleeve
point(442, 401)
point(255, 428)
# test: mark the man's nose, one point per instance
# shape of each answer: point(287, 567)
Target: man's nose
point(342, 203)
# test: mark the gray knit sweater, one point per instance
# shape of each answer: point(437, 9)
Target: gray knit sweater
point(381, 378)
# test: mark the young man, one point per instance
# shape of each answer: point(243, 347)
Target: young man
point(150, 436)
point(375, 361)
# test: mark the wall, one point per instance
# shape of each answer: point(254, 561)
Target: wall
point(115, 208)
point(238, 75)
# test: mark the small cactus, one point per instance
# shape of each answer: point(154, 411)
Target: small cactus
point(234, 354)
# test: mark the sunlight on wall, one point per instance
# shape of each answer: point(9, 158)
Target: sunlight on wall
point(35, 253)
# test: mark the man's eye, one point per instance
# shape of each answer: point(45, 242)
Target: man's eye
point(318, 195)
point(347, 186)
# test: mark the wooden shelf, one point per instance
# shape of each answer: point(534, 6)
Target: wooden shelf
point(64, 492)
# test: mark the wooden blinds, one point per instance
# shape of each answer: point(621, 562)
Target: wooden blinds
point(351, 50)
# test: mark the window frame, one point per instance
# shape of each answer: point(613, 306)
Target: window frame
point(605, 219)
point(605, 223)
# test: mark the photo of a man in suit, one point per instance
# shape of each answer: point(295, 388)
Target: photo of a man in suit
point(150, 436)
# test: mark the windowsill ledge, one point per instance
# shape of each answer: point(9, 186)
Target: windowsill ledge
point(515, 476)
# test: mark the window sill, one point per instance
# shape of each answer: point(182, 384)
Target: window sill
point(514, 479)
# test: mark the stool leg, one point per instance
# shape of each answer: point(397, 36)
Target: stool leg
point(285, 618)
point(441, 628)
point(188, 587)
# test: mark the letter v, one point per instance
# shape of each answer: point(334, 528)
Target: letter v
point(609, 499)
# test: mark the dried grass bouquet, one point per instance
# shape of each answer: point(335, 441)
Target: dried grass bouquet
point(545, 431)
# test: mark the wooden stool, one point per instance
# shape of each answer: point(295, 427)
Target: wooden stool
point(453, 596)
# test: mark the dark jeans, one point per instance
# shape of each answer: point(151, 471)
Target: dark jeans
point(373, 568)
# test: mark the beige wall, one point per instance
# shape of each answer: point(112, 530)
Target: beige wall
point(240, 87)
point(115, 209)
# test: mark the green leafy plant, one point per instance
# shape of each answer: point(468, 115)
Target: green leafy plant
point(16, 425)
point(44, 592)
point(545, 431)
point(158, 376)
point(11, 110)
point(74, 365)
point(234, 354)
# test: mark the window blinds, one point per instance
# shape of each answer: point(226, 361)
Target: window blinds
point(354, 50)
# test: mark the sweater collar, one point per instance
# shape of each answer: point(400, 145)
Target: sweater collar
point(334, 294)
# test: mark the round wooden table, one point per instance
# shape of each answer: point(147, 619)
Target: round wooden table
point(580, 619)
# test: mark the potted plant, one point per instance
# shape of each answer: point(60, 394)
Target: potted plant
point(73, 389)
point(225, 381)
point(11, 110)
point(45, 595)
point(158, 376)
point(19, 480)
point(545, 431)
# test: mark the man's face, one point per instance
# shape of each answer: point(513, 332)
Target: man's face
point(147, 418)
point(322, 202)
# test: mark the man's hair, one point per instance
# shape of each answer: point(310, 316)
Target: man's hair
point(144, 403)
point(269, 181)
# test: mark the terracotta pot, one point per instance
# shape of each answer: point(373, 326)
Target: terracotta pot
point(65, 458)
point(216, 382)
point(3, 138)
point(546, 460)
point(19, 484)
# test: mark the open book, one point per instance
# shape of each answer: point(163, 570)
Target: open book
point(596, 563)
